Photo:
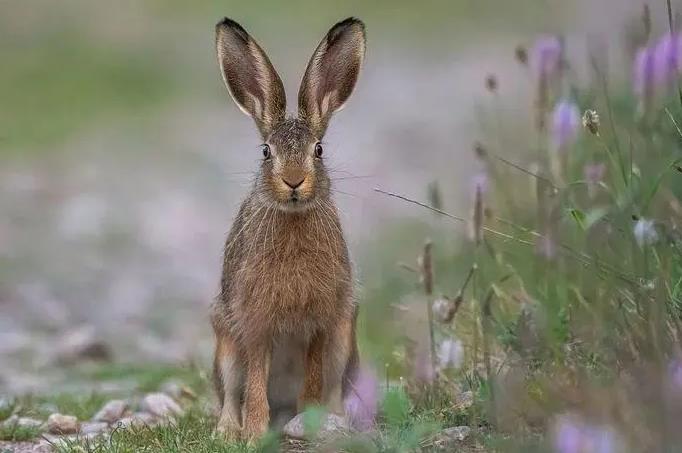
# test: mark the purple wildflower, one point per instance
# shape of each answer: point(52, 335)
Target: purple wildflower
point(480, 183)
point(450, 354)
point(545, 246)
point(645, 232)
point(363, 399)
point(546, 57)
point(675, 374)
point(423, 369)
point(572, 435)
point(593, 174)
point(565, 124)
point(668, 59)
point(644, 75)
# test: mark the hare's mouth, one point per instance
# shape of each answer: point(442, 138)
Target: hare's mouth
point(295, 203)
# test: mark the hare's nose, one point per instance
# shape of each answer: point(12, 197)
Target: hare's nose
point(294, 183)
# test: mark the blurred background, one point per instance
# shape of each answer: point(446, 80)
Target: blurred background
point(123, 160)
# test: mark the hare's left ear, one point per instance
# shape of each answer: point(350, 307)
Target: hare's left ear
point(331, 74)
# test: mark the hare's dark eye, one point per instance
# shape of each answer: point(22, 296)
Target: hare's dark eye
point(266, 151)
point(318, 150)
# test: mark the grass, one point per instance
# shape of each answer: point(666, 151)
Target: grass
point(403, 425)
point(85, 85)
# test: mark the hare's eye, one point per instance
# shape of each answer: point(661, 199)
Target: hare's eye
point(318, 150)
point(266, 151)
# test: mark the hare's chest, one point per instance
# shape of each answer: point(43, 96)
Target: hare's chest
point(295, 283)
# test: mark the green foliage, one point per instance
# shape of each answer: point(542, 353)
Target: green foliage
point(12, 432)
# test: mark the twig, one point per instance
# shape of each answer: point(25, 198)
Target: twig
point(672, 30)
point(523, 170)
point(582, 257)
point(467, 279)
point(427, 269)
point(419, 203)
point(486, 314)
point(672, 118)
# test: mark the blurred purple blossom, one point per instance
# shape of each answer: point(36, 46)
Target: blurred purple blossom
point(668, 58)
point(450, 354)
point(546, 57)
point(363, 399)
point(565, 124)
point(572, 435)
point(423, 369)
point(480, 183)
point(545, 246)
point(645, 232)
point(644, 74)
point(593, 174)
point(675, 374)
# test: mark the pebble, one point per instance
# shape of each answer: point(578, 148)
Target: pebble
point(24, 422)
point(62, 424)
point(450, 436)
point(160, 405)
point(177, 390)
point(464, 400)
point(137, 420)
point(111, 412)
point(93, 428)
point(79, 344)
point(331, 425)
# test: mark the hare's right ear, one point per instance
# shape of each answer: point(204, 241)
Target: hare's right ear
point(249, 76)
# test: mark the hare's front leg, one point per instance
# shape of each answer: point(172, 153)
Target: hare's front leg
point(313, 372)
point(325, 362)
point(256, 410)
point(228, 373)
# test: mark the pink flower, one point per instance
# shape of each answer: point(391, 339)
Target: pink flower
point(565, 124)
point(363, 400)
point(546, 247)
point(644, 74)
point(667, 59)
point(423, 368)
point(593, 174)
point(572, 435)
point(546, 57)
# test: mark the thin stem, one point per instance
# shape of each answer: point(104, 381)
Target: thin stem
point(427, 269)
point(580, 256)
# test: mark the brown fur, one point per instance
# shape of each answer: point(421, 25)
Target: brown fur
point(285, 317)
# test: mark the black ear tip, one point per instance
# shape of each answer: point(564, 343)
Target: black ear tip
point(351, 21)
point(344, 27)
point(233, 25)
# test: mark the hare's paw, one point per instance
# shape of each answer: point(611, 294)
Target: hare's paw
point(254, 429)
point(228, 430)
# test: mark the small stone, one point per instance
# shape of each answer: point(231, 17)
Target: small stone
point(24, 422)
point(93, 428)
point(464, 400)
point(80, 344)
point(160, 405)
point(137, 420)
point(457, 432)
point(331, 425)
point(62, 424)
point(111, 412)
point(177, 390)
point(447, 438)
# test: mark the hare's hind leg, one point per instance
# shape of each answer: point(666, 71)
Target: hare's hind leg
point(229, 376)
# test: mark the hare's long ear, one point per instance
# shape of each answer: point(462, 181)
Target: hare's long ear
point(331, 74)
point(249, 76)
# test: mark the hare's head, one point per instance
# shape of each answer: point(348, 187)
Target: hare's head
point(293, 174)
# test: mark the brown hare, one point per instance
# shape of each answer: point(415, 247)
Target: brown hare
point(285, 318)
